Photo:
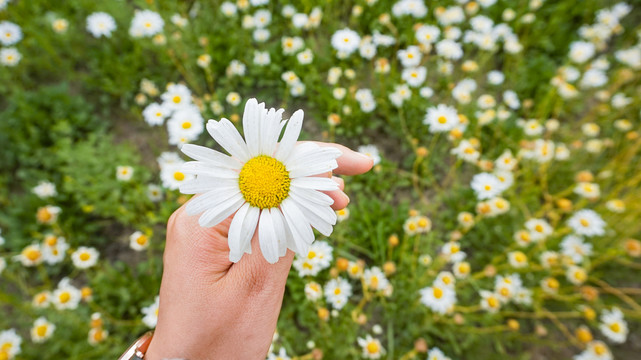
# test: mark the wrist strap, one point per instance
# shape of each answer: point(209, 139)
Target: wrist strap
point(138, 349)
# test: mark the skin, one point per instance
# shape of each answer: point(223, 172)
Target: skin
point(211, 308)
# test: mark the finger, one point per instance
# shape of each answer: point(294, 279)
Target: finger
point(351, 162)
point(339, 181)
point(341, 200)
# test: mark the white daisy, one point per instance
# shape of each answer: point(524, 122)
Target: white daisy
point(346, 41)
point(313, 291)
point(177, 96)
point(10, 343)
point(372, 348)
point(337, 292)
point(155, 114)
point(614, 326)
point(138, 241)
point(146, 23)
point(486, 186)
point(85, 257)
point(45, 189)
point(10, 56)
point(100, 24)
point(41, 330)
point(66, 296)
point(150, 313)
point(441, 118)
point(439, 298)
point(10, 33)
point(265, 179)
point(436, 354)
point(587, 223)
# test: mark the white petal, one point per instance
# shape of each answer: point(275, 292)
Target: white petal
point(210, 156)
point(312, 156)
point(251, 123)
point(233, 236)
point(326, 213)
point(299, 226)
point(221, 211)
point(267, 237)
point(314, 196)
point(280, 229)
point(246, 233)
point(225, 134)
point(270, 131)
point(211, 199)
point(313, 169)
point(315, 183)
point(315, 220)
point(203, 184)
point(201, 168)
point(292, 132)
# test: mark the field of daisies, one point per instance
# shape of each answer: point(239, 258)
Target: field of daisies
point(502, 218)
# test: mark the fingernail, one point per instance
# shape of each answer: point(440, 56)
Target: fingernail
point(364, 156)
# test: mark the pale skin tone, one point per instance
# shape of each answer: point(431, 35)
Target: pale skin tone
point(211, 308)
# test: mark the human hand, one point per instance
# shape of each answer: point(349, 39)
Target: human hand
point(211, 308)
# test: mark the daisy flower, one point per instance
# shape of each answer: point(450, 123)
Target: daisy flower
point(490, 302)
point(439, 298)
point(10, 33)
point(539, 229)
point(313, 291)
point(124, 173)
point(150, 313)
point(155, 114)
point(282, 355)
point(45, 189)
point(436, 354)
point(371, 151)
point(346, 41)
point(10, 56)
point(100, 24)
point(517, 259)
point(146, 23)
point(42, 330)
point(30, 255)
point(177, 96)
point(337, 292)
point(613, 326)
point(587, 223)
point(138, 241)
point(85, 257)
point(372, 348)
point(9, 343)
point(97, 335)
point(596, 350)
point(375, 279)
point(267, 184)
point(486, 186)
point(66, 296)
point(441, 118)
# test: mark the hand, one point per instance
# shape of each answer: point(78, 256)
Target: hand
point(211, 308)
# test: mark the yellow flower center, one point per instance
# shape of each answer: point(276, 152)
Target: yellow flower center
point(337, 291)
point(176, 99)
point(41, 330)
point(538, 228)
point(142, 239)
point(32, 254)
point(4, 355)
point(307, 265)
point(438, 293)
point(584, 222)
point(488, 187)
point(147, 24)
point(64, 297)
point(372, 347)
point(599, 349)
point(493, 302)
point(442, 119)
point(178, 176)
point(422, 223)
point(311, 255)
point(374, 281)
point(264, 182)
point(520, 257)
point(504, 292)
point(6, 347)
point(85, 256)
point(553, 283)
point(615, 327)
point(186, 125)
